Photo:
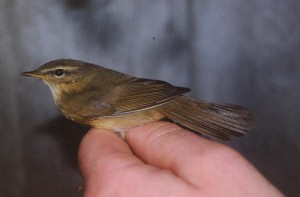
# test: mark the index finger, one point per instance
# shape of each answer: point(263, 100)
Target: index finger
point(195, 159)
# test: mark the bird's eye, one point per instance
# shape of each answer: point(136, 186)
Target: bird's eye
point(59, 72)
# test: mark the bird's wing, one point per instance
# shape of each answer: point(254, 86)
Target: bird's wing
point(139, 94)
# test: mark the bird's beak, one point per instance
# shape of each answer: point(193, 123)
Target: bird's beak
point(35, 74)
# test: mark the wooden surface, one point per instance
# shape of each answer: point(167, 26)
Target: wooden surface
point(243, 52)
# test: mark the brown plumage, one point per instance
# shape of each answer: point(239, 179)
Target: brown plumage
point(104, 98)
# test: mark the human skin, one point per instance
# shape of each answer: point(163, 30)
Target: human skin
point(162, 159)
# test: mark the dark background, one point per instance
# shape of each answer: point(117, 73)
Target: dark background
point(233, 51)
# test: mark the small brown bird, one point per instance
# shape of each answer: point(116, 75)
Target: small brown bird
point(104, 98)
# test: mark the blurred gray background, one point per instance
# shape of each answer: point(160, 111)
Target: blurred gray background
point(233, 51)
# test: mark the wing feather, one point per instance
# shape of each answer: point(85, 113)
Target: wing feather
point(139, 94)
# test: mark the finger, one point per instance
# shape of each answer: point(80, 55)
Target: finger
point(168, 146)
point(110, 169)
point(101, 154)
point(213, 168)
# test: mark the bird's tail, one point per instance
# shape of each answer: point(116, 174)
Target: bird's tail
point(218, 120)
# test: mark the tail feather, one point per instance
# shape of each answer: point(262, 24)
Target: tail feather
point(220, 121)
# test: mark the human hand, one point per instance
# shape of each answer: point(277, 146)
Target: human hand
point(162, 159)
